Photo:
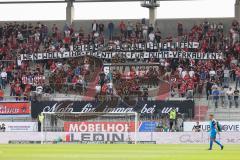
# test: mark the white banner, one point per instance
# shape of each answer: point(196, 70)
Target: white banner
point(158, 137)
point(126, 55)
point(20, 126)
point(226, 126)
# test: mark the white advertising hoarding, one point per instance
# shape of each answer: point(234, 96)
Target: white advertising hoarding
point(226, 126)
point(158, 137)
point(20, 126)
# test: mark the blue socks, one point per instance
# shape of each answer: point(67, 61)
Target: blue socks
point(211, 143)
point(218, 143)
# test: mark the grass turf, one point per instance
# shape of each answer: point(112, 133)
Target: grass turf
point(117, 152)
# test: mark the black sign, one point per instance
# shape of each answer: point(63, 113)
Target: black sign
point(142, 107)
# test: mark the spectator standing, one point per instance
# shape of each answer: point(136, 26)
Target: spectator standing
point(129, 29)
point(172, 118)
point(180, 29)
point(20, 37)
point(215, 95)
point(191, 73)
point(209, 88)
point(220, 27)
point(197, 127)
point(3, 128)
point(150, 28)
point(151, 37)
point(110, 30)
point(222, 95)
point(205, 26)
point(45, 32)
point(3, 79)
point(158, 35)
point(145, 31)
point(40, 121)
point(143, 21)
point(54, 30)
point(237, 77)
point(12, 91)
point(102, 79)
point(229, 94)
point(101, 28)
point(236, 97)
point(18, 91)
point(212, 74)
point(94, 26)
point(37, 37)
point(226, 77)
point(1, 94)
point(122, 28)
point(203, 75)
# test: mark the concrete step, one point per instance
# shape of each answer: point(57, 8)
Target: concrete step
point(225, 110)
point(227, 118)
point(227, 115)
point(200, 112)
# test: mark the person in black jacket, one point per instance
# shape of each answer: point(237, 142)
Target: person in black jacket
point(236, 97)
point(3, 128)
point(209, 88)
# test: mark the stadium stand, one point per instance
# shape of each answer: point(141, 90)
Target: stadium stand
point(214, 82)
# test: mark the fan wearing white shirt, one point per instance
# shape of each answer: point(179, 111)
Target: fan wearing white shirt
point(110, 87)
point(67, 33)
point(151, 37)
point(37, 36)
point(184, 73)
point(180, 69)
point(191, 73)
point(212, 74)
point(226, 77)
point(20, 37)
point(145, 31)
point(39, 89)
point(4, 78)
point(229, 94)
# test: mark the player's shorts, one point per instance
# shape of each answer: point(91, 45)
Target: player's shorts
point(213, 135)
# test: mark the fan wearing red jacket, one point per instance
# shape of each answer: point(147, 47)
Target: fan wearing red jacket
point(18, 91)
point(183, 89)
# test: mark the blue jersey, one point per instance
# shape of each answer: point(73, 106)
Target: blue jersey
point(213, 130)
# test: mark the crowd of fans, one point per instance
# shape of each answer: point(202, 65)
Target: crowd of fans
point(137, 81)
point(187, 77)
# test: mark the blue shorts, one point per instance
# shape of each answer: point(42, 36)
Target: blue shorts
point(213, 135)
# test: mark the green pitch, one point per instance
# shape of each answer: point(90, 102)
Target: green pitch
point(117, 152)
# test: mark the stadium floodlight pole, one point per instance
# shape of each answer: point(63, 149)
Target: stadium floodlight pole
point(152, 7)
point(69, 12)
point(237, 9)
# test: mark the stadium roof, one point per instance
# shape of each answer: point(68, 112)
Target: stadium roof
point(8, 5)
point(75, 1)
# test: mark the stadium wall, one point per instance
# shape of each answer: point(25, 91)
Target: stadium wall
point(158, 137)
point(168, 27)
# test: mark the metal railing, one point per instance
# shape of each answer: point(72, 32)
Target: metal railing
point(216, 102)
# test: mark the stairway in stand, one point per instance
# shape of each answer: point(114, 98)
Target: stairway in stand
point(91, 87)
point(163, 93)
point(200, 113)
